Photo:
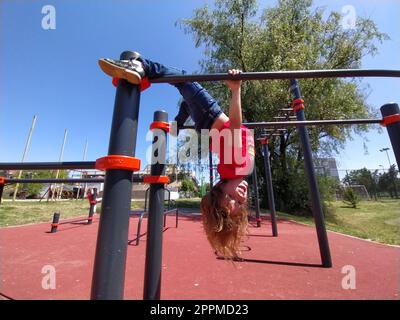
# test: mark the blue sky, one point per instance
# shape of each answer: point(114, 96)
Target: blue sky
point(54, 73)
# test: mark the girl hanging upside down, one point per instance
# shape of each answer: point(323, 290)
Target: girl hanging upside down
point(224, 211)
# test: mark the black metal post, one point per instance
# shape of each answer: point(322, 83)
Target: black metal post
point(1, 191)
point(93, 202)
point(391, 110)
point(54, 223)
point(269, 188)
point(312, 182)
point(210, 163)
point(153, 266)
point(257, 200)
point(110, 260)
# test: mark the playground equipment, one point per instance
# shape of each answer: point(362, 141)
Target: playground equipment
point(92, 198)
point(109, 265)
point(142, 213)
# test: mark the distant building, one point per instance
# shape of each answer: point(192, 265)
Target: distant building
point(326, 167)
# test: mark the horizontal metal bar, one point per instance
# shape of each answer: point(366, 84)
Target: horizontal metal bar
point(311, 123)
point(285, 117)
point(9, 181)
point(47, 165)
point(135, 178)
point(304, 123)
point(274, 75)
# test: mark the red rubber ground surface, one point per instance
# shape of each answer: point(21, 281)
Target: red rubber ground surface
point(286, 267)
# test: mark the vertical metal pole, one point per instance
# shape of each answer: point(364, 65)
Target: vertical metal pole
point(153, 266)
point(92, 206)
point(257, 200)
point(269, 187)
point(28, 142)
point(54, 224)
point(312, 182)
point(109, 264)
point(393, 129)
point(211, 168)
point(1, 191)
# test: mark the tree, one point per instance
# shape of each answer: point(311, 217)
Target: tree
point(187, 185)
point(388, 182)
point(289, 36)
point(350, 197)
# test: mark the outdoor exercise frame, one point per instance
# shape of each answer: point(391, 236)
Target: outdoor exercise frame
point(110, 259)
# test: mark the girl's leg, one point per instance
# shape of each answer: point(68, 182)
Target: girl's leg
point(200, 105)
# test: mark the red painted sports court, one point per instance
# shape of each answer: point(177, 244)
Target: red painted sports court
point(284, 267)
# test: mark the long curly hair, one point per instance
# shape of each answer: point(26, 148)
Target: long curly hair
point(224, 231)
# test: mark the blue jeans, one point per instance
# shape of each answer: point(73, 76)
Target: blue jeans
point(200, 105)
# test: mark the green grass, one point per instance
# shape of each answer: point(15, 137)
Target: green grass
point(375, 220)
point(25, 212)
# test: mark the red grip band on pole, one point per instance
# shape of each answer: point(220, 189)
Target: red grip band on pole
point(298, 104)
point(155, 179)
point(118, 162)
point(390, 119)
point(160, 125)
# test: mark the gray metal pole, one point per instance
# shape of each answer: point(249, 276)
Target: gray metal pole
point(257, 200)
point(109, 264)
point(391, 111)
point(210, 164)
point(269, 188)
point(1, 191)
point(312, 182)
point(153, 265)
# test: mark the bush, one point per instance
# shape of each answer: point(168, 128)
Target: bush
point(350, 197)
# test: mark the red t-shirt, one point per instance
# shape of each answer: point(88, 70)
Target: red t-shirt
point(235, 161)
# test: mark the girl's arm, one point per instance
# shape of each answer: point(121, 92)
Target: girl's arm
point(235, 107)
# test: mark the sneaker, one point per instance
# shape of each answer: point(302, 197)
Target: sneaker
point(130, 70)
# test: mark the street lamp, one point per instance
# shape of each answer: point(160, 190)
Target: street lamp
point(387, 154)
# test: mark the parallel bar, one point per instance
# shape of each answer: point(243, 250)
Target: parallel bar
point(270, 189)
point(83, 180)
point(257, 199)
point(211, 171)
point(11, 181)
point(311, 123)
point(303, 123)
point(275, 75)
point(312, 183)
point(47, 165)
